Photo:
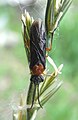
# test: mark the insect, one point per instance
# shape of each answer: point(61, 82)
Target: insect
point(36, 47)
point(37, 56)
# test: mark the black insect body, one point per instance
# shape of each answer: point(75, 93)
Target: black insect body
point(37, 56)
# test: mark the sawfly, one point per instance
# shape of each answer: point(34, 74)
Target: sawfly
point(37, 55)
point(34, 36)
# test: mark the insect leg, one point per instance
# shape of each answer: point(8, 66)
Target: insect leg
point(33, 97)
point(49, 47)
point(38, 95)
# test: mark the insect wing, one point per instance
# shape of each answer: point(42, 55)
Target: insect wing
point(37, 45)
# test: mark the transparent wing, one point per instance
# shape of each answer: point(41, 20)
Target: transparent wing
point(36, 8)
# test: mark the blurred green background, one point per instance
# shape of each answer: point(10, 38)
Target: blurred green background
point(14, 71)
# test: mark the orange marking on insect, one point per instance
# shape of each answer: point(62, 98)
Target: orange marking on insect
point(48, 49)
point(38, 69)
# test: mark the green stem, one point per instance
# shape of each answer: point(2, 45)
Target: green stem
point(31, 112)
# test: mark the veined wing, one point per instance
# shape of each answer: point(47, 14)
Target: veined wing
point(36, 8)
